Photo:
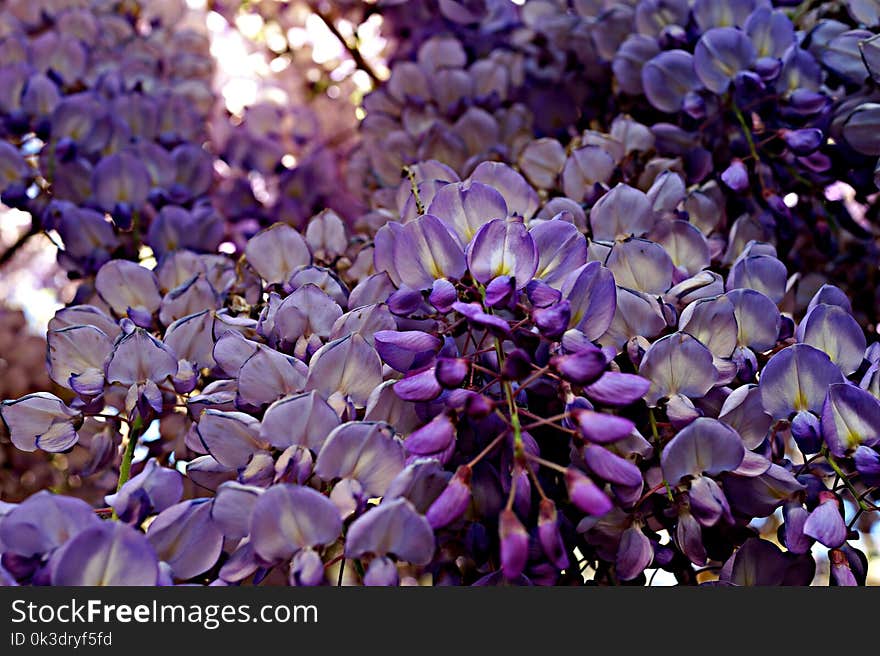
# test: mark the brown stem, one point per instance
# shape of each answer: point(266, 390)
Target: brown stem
point(10, 252)
point(352, 49)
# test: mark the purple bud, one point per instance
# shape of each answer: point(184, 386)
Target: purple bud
point(499, 291)
point(186, 378)
point(552, 321)
point(453, 501)
point(585, 494)
point(435, 437)
point(736, 176)
point(581, 368)
point(803, 142)
point(443, 295)
point(634, 553)
point(541, 294)
point(517, 365)
point(514, 544)
point(451, 372)
point(406, 350)
point(294, 465)
point(306, 568)
point(549, 536)
point(405, 301)
point(422, 386)
point(841, 572)
point(601, 428)
point(795, 516)
point(868, 464)
point(381, 572)
point(806, 431)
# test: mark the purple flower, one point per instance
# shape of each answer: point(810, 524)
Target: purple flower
point(106, 554)
point(40, 421)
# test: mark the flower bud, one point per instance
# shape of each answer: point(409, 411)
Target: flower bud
point(585, 494)
point(381, 572)
point(306, 568)
point(736, 176)
point(451, 372)
point(806, 431)
point(581, 368)
point(514, 544)
point(802, 142)
point(453, 501)
point(436, 438)
point(405, 301)
point(499, 291)
point(443, 295)
point(841, 572)
point(517, 365)
point(549, 536)
point(552, 321)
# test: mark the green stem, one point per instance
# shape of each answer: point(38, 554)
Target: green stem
point(656, 435)
point(134, 434)
point(511, 404)
point(849, 486)
point(747, 132)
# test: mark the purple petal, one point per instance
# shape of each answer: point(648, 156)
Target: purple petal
point(268, 375)
point(406, 350)
point(139, 357)
point(185, 537)
point(677, 364)
point(825, 524)
point(617, 389)
point(850, 417)
point(514, 544)
point(465, 206)
point(797, 378)
point(611, 467)
point(365, 451)
point(704, 446)
point(287, 518)
point(128, 286)
point(622, 212)
point(503, 248)
point(276, 252)
point(77, 350)
point(521, 199)
point(231, 438)
point(40, 420)
point(641, 265)
point(425, 250)
point(393, 527)
point(757, 319)
point(593, 297)
point(602, 428)
point(634, 554)
point(453, 502)
point(668, 78)
point(232, 508)
point(833, 330)
point(303, 419)
point(106, 554)
point(349, 366)
point(721, 53)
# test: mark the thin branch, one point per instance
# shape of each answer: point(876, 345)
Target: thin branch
point(10, 252)
point(352, 49)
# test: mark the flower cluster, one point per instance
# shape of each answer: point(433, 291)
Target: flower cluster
point(103, 114)
point(590, 345)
